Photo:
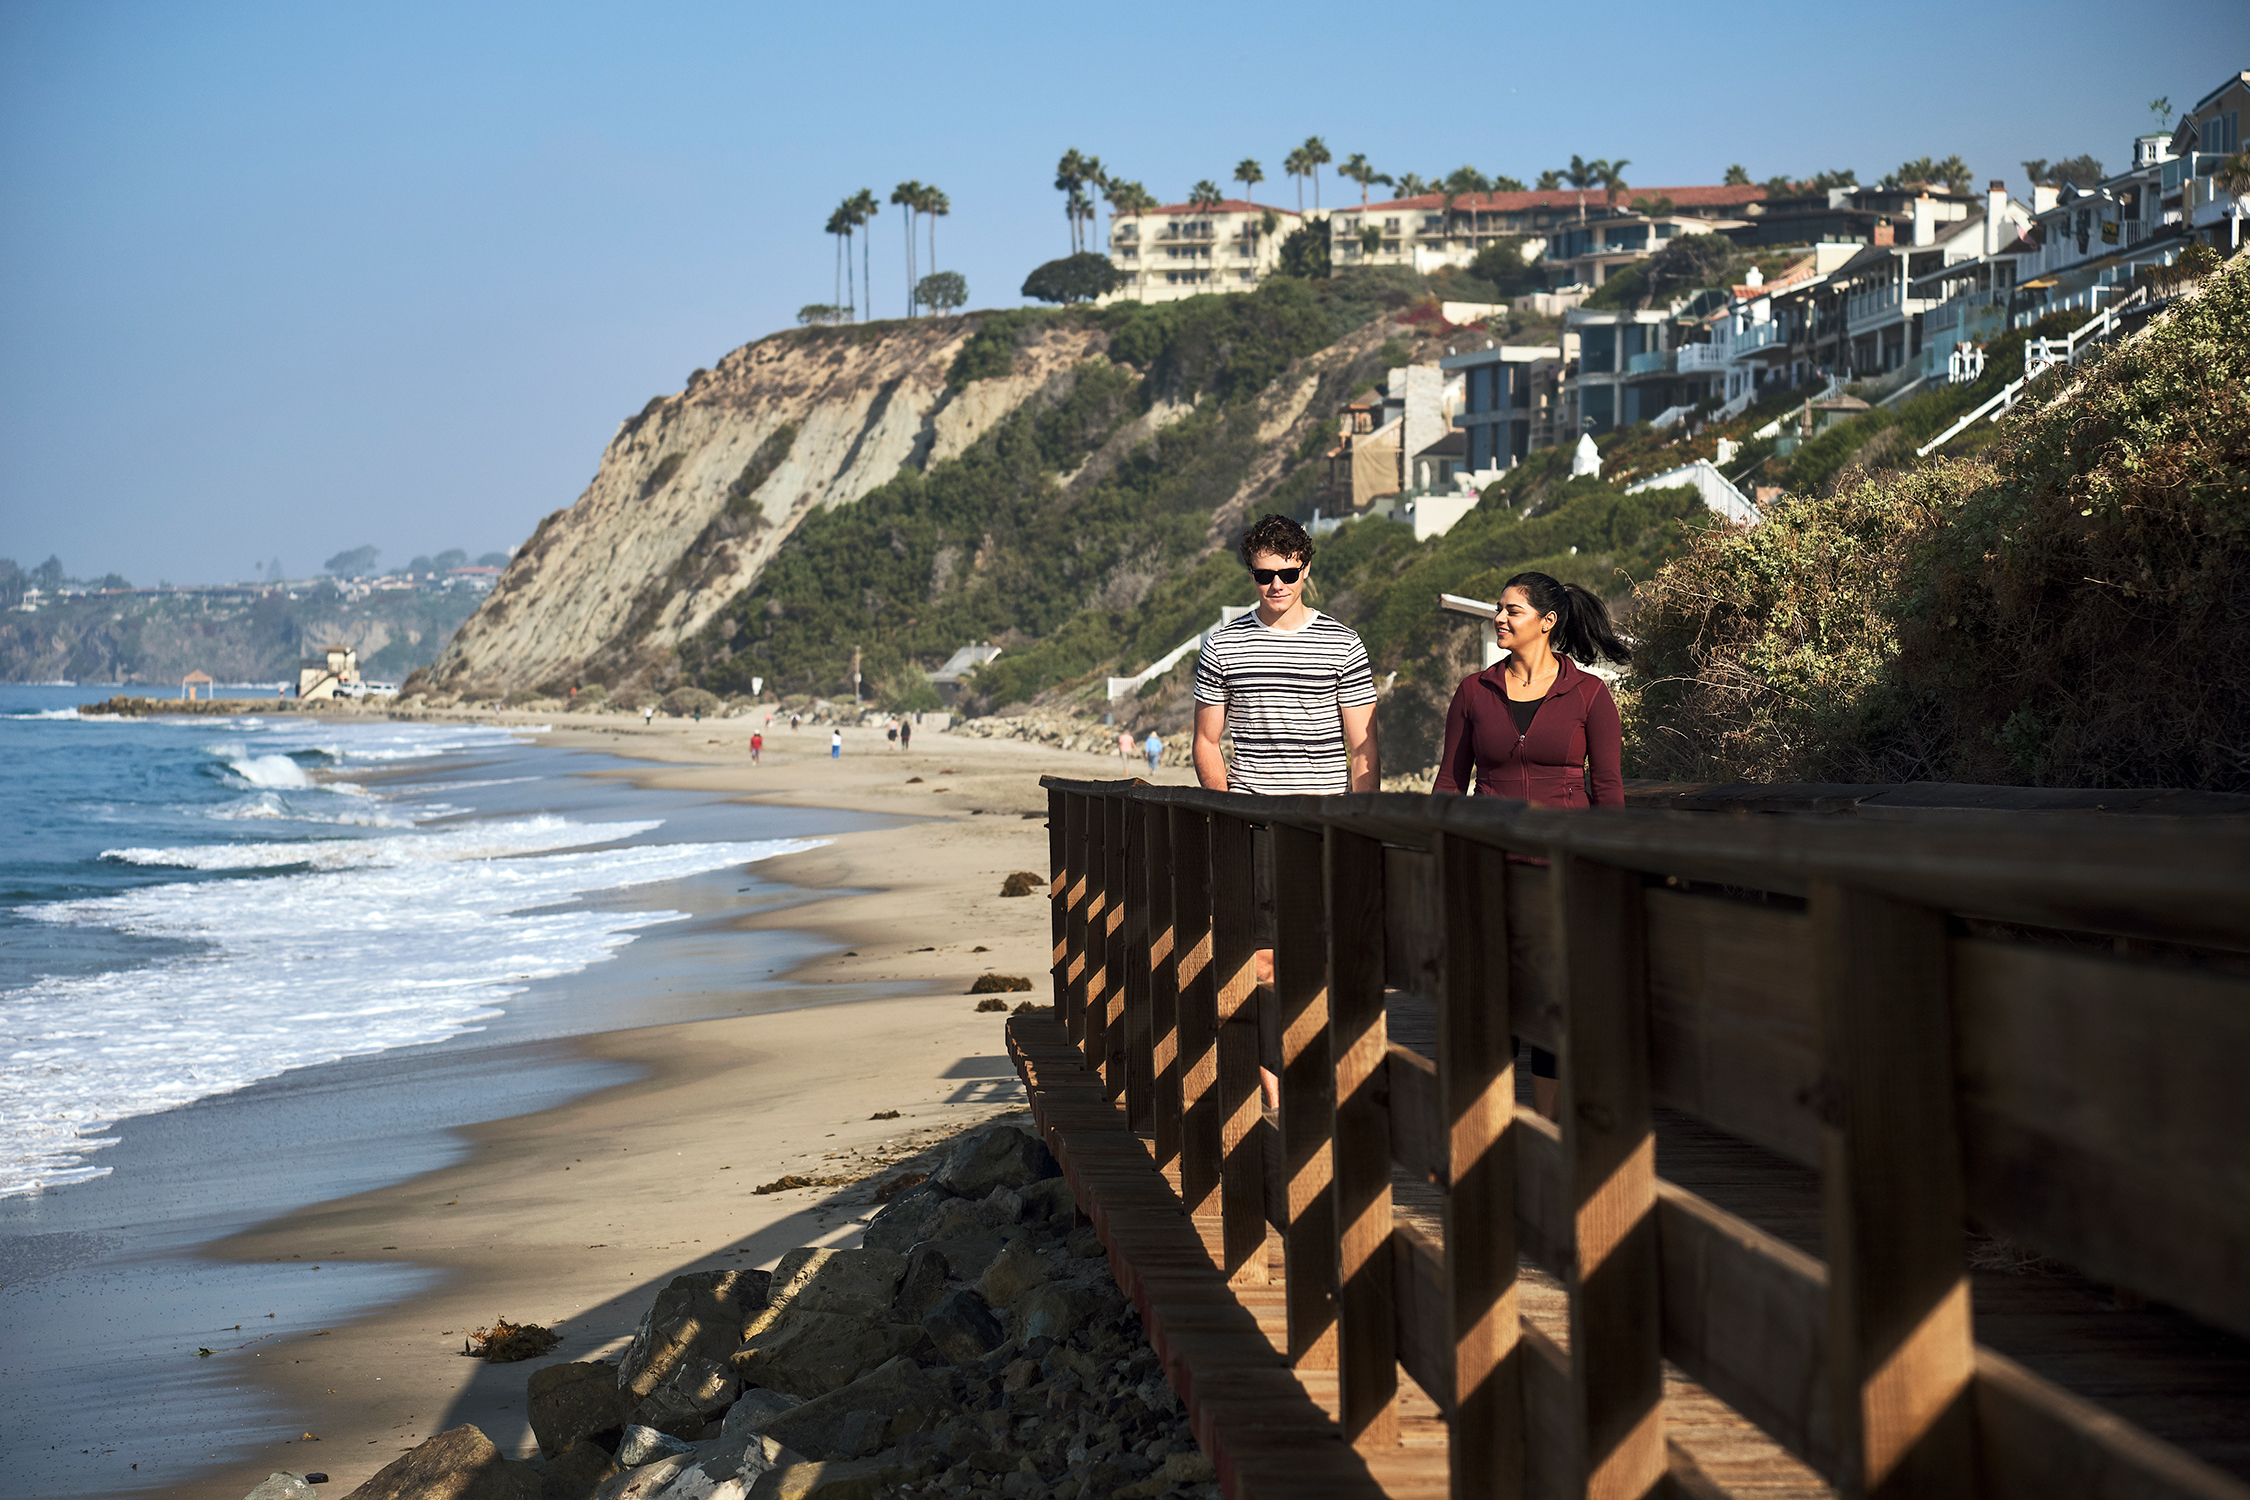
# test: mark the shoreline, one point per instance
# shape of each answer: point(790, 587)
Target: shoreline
point(662, 1167)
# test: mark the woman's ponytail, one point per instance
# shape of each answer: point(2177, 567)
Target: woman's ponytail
point(1582, 625)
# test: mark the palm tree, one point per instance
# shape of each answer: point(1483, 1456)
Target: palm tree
point(908, 195)
point(864, 208)
point(1356, 169)
point(1613, 180)
point(840, 226)
point(1097, 178)
point(1249, 174)
point(1071, 174)
point(935, 206)
point(1205, 194)
point(1296, 166)
point(1316, 157)
point(1549, 180)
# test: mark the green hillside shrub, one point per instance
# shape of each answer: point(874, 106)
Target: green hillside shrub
point(2071, 609)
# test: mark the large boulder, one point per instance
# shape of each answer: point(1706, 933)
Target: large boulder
point(1000, 1157)
point(280, 1486)
point(693, 1394)
point(858, 1283)
point(572, 1401)
point(927, 1279)
point(812, 1353)
point(1016, 1270)
point(835, 1479)
point(578, 1473)
point(905, 1220)
point(645, 1445)
point(962, 1328)
point(645, 1481)
point(698, 1318)
point(752, 1414)
point(1057, 1310)
point(864, 1417)
point(458, 1464)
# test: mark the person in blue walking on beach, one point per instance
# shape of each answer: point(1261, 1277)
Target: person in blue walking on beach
point(1154, 750)
point(835, 744)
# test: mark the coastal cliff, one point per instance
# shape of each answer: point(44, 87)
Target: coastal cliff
point(697, 492)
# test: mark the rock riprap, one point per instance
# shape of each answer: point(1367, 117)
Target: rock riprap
point(976, 1344)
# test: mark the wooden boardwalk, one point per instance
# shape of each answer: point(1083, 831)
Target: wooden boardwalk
point(1799, 1055)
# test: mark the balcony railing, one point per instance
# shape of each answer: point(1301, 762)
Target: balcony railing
point(1651, 363)
point(1712, 356)
point(1759, 336)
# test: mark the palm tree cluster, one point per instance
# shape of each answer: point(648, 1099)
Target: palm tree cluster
point(853, 215)
point(1609, 176)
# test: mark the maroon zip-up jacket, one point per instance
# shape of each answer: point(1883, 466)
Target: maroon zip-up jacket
point(1577, 721)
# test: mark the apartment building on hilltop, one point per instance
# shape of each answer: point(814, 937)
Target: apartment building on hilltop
point(1426, 232)
point(1184, 249)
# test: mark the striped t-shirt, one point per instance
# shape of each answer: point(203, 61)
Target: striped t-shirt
point(1282, 689)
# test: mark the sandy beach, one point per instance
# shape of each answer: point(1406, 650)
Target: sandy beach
point(574, 1216)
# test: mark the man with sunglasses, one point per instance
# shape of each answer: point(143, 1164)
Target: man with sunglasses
point(1294, 689)
point(1290, 684)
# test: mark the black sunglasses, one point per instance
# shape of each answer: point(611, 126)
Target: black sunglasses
point(1265, 576)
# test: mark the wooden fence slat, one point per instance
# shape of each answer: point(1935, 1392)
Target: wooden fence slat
point(1425, 1340)
point(1609, 1146)
point(1534, 992)
point(1308, 1096)
point(1901, 1358)
point(1073, 990)
point(1140, 1033)
point(1198, 1016)
point(2104, 1118)
point(1234, 942)
point(1418, 1134)
point(1163, 985)
point(1058, 890)
point(1115, 969)
point(1093, 1032)
point(1477, 1087)
point(1365, 1310)
point(1412, 933)
point(2037, 1441)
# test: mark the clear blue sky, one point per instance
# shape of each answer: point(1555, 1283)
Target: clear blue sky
point(280, 279)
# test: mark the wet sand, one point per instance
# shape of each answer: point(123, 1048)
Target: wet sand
point(575, 1215)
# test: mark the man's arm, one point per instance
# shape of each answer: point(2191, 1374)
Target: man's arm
point(1359, 747)
point(1210, 765)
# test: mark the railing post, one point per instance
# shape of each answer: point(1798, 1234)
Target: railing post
point(1609, 1150)
point(1477, 1092)
point(1308, 1096)
point(1198, 1021)
point(1111, 1056)
point(1900, 1346)
point(1071, 992)
point(1140, 1037)
point(1234, 943)
point(1366, 1304)
point(1163, 985)
point(1058, 894)
point(1093, 995)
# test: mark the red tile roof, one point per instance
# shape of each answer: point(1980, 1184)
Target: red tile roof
point(1727, 196)
point(1223, 206)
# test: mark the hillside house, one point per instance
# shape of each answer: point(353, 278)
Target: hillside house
point(1183, 249)
point(1426, 231)
point(1589, 254)
point(2207, 135)
point(1498, 413)
point(1383, 434)
point(325, 676)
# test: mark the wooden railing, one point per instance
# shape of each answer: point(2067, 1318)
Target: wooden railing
point(2035, 1024)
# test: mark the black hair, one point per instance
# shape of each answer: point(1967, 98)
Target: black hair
point(1582, 627)
point(1278, 535)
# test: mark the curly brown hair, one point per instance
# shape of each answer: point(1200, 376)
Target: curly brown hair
point(1279, 536)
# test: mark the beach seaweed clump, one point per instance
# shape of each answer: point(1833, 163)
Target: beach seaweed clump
point(504, 1342)
point(999, 984)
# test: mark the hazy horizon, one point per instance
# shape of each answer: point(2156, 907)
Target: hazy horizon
point(281, 281)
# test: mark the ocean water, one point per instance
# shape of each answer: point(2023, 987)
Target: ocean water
point(188, 906)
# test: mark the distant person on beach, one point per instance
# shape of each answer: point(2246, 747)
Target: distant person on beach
point(1154, 750)
point(793, 722)
point(1293, 687)
point(1537, 726)
point(648, 715)
point(890, 732)
point(905, 735)
point(1124, 744)
point(757, 747)
point(835, 744)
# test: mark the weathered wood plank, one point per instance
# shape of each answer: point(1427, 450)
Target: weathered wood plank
point(1114, 970)
point(1308, 1096)
point(2104, 1117)
point(1366, 1315)
point(1901, 1356)
point(1234, 942)
point(1609, 1148)
point(2036, 1441)
point(1418, 1137)
point(1198, 1018)
point(1163, 985)
point(1425, 1341)
point(1534, 995)
point(1412, 930)
point(1139, 1030)
point(1477, 1105)
point(1075, 897)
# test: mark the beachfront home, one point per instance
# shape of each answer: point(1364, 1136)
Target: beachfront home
point(336, 668)
point(1183, 249)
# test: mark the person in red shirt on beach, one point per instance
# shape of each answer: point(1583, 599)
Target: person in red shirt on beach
point(1537, 726)
point(757, 747)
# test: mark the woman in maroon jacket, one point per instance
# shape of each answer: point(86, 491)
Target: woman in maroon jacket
point(1532, 726)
